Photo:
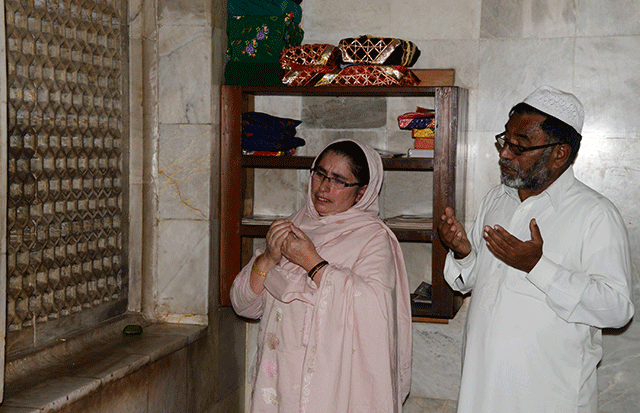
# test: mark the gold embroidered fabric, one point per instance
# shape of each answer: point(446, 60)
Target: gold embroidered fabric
point(369, 49)
point(370, 75)
point(306, 77)
point(309, 55)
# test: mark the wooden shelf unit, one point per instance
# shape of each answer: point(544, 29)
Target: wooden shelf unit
point(236, 178)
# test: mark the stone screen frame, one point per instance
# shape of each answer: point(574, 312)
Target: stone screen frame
point(67, 168)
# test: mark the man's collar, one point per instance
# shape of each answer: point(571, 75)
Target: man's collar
point(554, 192)
point(558, 189)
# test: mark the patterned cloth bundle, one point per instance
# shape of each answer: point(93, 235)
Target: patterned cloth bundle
point(266, 8)
point(422, 124)
point(362, 61)
point(258, 30)
point(371, 50)
point(370, 75)
point(306, 64)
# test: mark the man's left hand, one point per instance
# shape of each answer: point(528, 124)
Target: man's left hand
point(522, 255)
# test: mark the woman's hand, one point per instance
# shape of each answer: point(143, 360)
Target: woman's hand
point(272, 254)
point(299, 249)
point(277, 233)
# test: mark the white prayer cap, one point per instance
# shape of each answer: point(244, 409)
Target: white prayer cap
point(559, 104)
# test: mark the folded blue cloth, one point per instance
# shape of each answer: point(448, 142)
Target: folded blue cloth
point(264, 132)
point(263, 122)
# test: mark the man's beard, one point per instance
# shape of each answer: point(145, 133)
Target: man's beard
point(533, 178)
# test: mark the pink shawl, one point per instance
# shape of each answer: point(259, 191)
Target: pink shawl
point(356, 330)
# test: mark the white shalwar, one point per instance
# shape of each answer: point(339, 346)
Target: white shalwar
point(532, 341)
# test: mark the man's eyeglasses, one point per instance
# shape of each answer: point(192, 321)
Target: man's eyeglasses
point(335, 183)
point(517, 149)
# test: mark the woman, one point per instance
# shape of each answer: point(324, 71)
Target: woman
point(331, 291)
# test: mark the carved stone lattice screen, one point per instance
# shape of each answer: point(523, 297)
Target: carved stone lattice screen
point(66, 183)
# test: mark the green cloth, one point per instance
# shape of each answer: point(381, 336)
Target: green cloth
point(261, 38)
point(252, 74)
point(265, 8)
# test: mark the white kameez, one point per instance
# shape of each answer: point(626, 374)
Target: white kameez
point(533, 341)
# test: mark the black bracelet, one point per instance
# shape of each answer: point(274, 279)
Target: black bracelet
point(314, 270)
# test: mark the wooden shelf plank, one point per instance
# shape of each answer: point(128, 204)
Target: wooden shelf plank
point(430, 79)
point(358, 91)
point(418, 319)
point(305, 162)
point(435, 77)
point(403, 235)
point(277, 162)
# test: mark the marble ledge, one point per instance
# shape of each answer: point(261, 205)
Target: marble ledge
point(428, 405)
point(64, 377)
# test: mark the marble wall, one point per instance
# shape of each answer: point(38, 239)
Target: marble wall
point(177, 50)
point(182, 157)
point(177, 57)
point(501, 51)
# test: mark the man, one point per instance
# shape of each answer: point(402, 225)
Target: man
point(548, 264)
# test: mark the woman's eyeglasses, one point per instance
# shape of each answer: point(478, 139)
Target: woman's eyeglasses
point(517, 149)
point(335, 183)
